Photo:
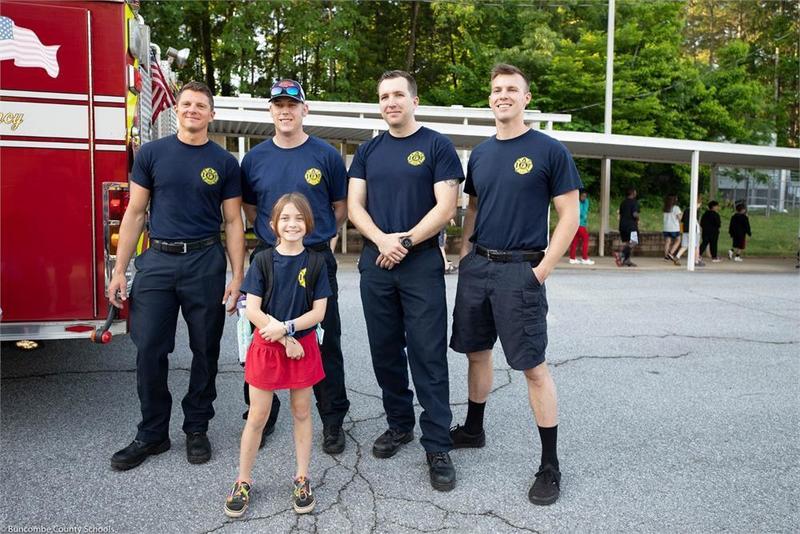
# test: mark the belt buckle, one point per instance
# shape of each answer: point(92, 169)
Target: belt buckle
point(183, 244)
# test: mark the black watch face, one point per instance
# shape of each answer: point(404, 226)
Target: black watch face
point(406, 242)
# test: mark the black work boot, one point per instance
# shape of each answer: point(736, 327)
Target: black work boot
point(333, 439)
point(547, 486)
point(389, 442)
point(136, 453)
point(442, 472)
point(198, 448)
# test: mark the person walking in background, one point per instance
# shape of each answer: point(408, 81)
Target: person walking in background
point(685, 223)
point(672, 227)
point(739, 229)
point(628, 229)
point(582, 235)
point(449, 268)
point(710, 224)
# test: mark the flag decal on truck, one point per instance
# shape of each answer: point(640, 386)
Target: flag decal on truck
point(24, 47)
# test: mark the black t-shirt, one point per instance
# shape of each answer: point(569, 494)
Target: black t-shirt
point(627, 209)
point(514, 180)
point(400, 173)
point(187, 185)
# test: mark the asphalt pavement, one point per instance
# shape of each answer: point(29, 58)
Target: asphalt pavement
point(679, 412)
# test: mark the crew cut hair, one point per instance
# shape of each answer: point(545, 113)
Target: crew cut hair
point(505, 68)
point(392, 74)
point(198, 87)
point(299, 201)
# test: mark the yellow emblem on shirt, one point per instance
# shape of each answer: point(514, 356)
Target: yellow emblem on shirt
point(301, 277)
point(313, 176)
point(209, 176)
point(523, 165)
point(416, 158)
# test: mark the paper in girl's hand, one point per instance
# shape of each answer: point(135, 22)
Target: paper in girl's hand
point(244, 330)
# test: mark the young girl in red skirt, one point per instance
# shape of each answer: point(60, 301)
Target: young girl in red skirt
point(284, 353)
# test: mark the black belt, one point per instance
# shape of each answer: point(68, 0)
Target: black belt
point(428, 243)
point(182, 247)
point(506, 256)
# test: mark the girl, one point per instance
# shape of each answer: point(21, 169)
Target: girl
point(672, 227)
point(287, 289)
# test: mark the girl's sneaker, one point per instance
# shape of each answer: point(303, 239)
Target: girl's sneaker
point(238, 499)
point(302, 496)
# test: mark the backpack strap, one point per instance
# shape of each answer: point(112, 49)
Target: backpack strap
point(315, 262)
point(263, 262)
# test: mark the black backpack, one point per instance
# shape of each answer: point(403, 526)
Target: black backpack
point(263, 261)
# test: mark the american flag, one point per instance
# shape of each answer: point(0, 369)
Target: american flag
point(162, 93)
point(24, 47)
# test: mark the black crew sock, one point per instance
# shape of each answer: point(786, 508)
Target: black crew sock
point(474, 422)
point(549, 437)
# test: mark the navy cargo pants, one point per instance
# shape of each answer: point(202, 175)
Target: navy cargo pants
point(331, 395)
point(193, 283)
point(406, 314)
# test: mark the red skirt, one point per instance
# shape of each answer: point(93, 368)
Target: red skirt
point(268, 367)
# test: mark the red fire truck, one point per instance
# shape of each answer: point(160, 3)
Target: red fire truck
point(75, 103)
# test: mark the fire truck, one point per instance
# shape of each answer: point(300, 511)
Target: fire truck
point(75, 105)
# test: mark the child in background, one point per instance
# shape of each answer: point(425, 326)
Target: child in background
point(710, 224)
point(739, 229)
point(671, 227)
point(287, 291)
point(583, 232)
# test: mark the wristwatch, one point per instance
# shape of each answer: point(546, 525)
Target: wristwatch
point(406, 242)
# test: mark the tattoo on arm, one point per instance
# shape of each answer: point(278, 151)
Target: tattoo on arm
point(452, 183)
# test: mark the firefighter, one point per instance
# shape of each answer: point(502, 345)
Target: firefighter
point(292, 161)
point(511, 178)
point(185, 178)
point(403, 191)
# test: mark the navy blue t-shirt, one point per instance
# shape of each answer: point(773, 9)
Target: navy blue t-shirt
point(187, 185)
point(314, 169)
point(514, 180)
point(288, 299)
point(400, 173)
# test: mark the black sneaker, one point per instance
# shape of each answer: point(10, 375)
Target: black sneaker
point(441, 470)
point(332, 439)
point(136, 453)
point(238, 499)
point(302, 496)
point(389, 442)
point(198, 448)
point(464, 440)
point(547, 486)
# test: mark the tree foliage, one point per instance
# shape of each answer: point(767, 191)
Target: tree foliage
point(715, 70)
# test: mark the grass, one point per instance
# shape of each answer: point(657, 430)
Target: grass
point(776, 235)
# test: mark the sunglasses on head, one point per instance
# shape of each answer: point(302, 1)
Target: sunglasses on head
point(289, 91)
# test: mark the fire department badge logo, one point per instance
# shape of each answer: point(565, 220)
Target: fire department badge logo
point(523, 165)
point(416, 158)
point(301, 277)
point(313, 176)
point(209, 176)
